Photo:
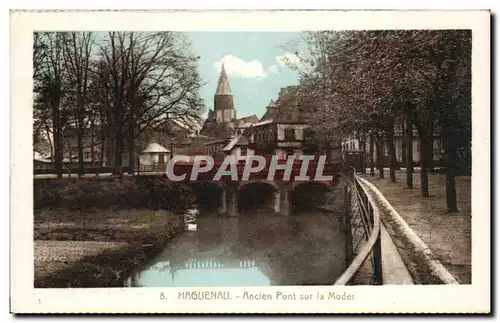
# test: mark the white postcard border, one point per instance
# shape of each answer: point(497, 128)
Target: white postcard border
point(367, 299)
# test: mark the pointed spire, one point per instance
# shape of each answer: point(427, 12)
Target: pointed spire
point(223, 87)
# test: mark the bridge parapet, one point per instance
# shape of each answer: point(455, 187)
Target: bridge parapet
point(235, 172)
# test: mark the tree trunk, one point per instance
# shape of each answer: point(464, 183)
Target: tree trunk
point(80, 150)
point(118, 141)
point(47, 130)
point(92, 146)
point(397, 165)
point(131, 137)
point(380, 157)
point(403, 145)
point(425, 139)
point(110, 139)
point(450, 157)
point(392, 155)
point(131, 148)
point(70, 159)
point(431, 154)
point(118, 151)
point(451, 193)
point(409, 151)
point(372, 161)
point(102, 132)
point(103, 146)
point(56, 123)
point(92, 143)
point(363, 159)
point(110, 149)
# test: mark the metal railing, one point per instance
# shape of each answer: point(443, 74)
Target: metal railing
point(362, 226)
point(141, 168)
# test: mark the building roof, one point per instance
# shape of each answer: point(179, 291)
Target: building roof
point(244, 125)
point(155, 148)
point(263, 123)
point(218, 141)
point(198, 136)
point(248, 119)
point(236, 141)
point(246, 122)
point(44, 158)
point(223, 87)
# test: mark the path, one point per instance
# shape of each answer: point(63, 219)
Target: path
point(448, 235)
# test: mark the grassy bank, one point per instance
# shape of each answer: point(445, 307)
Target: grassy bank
point(140, 192)
point(95, 247)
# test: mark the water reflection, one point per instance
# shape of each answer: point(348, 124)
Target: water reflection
point(250, 250)
point(161, 274)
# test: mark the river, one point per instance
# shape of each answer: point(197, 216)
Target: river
point(257, 249)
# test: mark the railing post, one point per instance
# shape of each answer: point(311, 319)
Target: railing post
point(376, 253)
point(348, 227)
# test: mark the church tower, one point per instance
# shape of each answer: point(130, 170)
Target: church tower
point(223, 100)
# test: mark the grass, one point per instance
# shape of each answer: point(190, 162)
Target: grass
point(97, 248)
point(448, 235)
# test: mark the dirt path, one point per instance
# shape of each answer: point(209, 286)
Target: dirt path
point(448, 235)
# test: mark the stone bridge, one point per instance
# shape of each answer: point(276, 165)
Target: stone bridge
point(281, 190)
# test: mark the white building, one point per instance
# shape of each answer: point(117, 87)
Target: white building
point(154, 154)
point(356, 144)
point(238, 147)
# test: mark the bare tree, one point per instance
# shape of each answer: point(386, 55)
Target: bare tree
point(77, 57)
point(119, 86)
point(48, 68)
point(153, 78)
point(39, 54)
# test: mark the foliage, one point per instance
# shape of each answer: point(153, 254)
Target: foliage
point(356, 80)
point(364, 82)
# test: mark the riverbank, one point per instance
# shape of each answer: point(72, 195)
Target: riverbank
point(97, 248)
point(140, 192)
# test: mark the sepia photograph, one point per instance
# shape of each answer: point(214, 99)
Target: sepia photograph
point(201, 160)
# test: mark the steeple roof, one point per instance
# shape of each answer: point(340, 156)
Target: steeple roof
point(223, 87)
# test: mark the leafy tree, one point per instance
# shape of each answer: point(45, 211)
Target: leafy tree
point(365, 82)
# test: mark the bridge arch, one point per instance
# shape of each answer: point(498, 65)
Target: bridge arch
point(309, 196)
point(251, 182)
point(208, 195)
point(258, 195)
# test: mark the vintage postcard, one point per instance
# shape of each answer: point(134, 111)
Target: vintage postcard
point(250, 162)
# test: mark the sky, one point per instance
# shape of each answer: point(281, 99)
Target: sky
point(254, 64)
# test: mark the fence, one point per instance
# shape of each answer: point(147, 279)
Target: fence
point(151, 168)
point(362, 227)
point(87, 170)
